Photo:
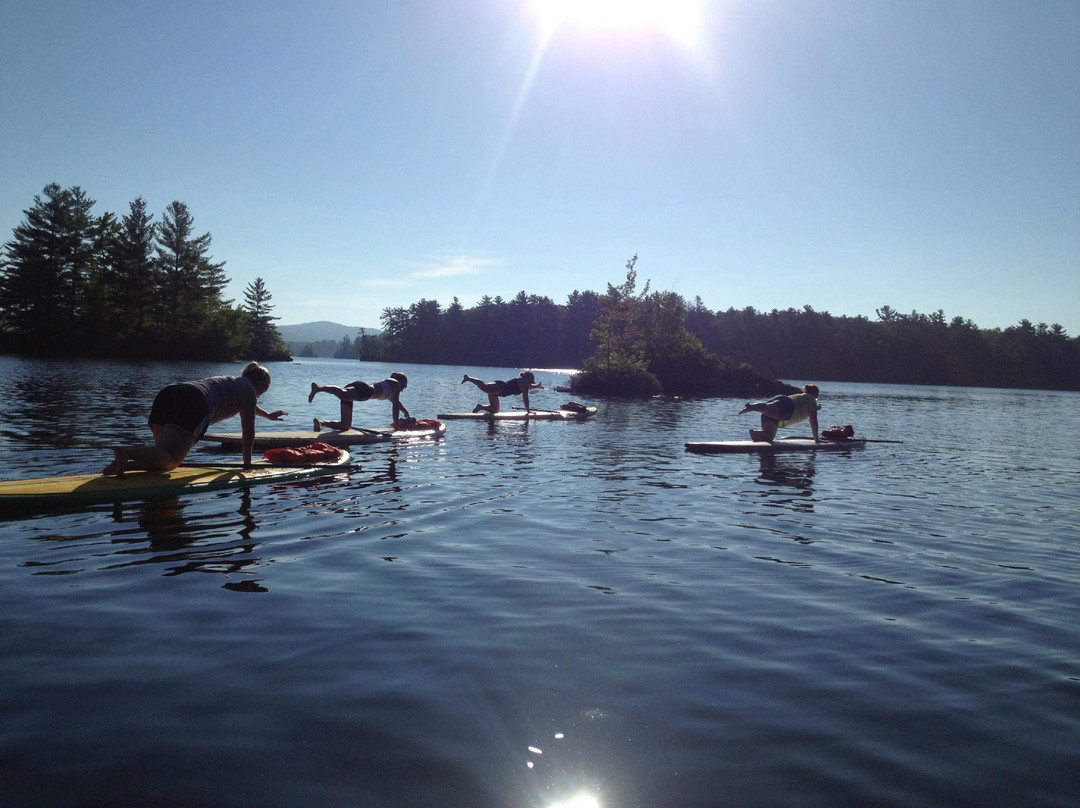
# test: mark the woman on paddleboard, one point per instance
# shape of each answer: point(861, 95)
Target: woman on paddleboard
point(386, 390)
point(182, 412)
point(781, 411)
point(499, 389)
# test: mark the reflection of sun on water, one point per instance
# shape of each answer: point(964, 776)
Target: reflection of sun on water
point(583, 799)
point(579, 801)
point(679, 19)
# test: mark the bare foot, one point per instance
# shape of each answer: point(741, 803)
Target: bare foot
point(311, 395)
point(316, 425)
point(744, 409)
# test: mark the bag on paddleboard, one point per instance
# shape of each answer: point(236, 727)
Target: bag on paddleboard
point(411, 424)
point(573, 406)
point(300, 455)
point(839, 432)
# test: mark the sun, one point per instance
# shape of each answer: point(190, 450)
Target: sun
point(679, 19)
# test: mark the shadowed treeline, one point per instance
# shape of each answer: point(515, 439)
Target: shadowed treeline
point(533, 331)
point(896, 348)
point(73, 283)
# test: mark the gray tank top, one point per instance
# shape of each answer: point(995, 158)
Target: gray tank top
point(223, 395)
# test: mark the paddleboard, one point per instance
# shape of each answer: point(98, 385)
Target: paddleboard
point(521, 415)
point(779, 445)
point(429, 428)
point(44, 493)
point(349, 437)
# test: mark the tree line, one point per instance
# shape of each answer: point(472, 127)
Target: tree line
point(73, 283)
point(895, 348)
point(495, 332)
point(688, 345)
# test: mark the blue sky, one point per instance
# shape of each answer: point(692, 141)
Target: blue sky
point(366, 154)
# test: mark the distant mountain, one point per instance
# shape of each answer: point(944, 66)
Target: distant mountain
point(322, 330)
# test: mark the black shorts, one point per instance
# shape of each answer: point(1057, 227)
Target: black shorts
point(182, 406)
point(785, 405)
point(508, 389)
point(361, 391)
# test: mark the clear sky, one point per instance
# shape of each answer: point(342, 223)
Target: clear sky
point(364, 154)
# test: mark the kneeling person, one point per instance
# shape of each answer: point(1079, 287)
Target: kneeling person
point(781, 411)
point(182, 412)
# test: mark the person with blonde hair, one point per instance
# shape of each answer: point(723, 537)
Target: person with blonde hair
point(386, 390)
point(500, 389)
point(182, 413)
point(781, 411)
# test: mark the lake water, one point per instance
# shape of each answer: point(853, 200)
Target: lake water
point(549, 614)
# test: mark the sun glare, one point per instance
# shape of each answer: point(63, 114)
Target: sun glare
point(679, 19)
point(580, 801)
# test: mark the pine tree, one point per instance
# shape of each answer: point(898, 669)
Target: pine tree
point(134, 278)
point(264, 341)
point(191, 282)
point(619, 366)
point(347, 349)
point(47, 269)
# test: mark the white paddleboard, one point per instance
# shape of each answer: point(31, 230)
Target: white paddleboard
point(347, 437)
point(779, 445)
point(522, 415)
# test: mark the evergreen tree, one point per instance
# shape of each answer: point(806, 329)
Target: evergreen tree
point(617, 336)
point(347, 349)
point(190, 311)
point(96, 329)
point(133, 279)
point(422, 340)
point(371, 347)
point(675, 356)
point(47, 269)
point(191, 283)
point(579, 314)
point(264, 341)
point(454, 326)
point(395, 323)
point(618, 367)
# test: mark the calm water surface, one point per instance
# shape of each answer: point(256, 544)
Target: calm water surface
point(548, 614)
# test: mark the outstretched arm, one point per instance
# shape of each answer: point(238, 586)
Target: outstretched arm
point(276, 415)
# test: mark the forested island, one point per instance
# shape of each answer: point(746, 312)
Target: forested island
point(681, 343)
point(73, 283)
